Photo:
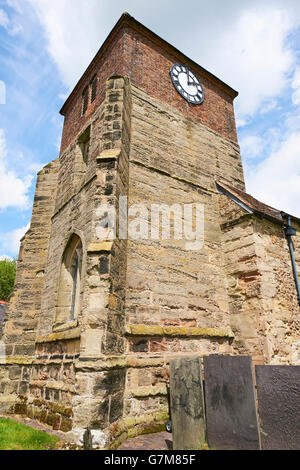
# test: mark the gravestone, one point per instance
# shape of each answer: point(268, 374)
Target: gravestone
point(87, 440)
point(278, 392)
point(187, 404)
point(230, 403)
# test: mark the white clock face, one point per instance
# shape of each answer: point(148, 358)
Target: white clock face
point(187, 84)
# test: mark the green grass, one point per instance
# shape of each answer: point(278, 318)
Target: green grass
point(18, 436)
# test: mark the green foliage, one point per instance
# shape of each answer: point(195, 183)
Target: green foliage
point(7, 278)
point(18, 436)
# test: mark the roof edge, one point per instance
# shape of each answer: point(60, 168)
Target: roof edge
point(127, 19)
point(223, 188)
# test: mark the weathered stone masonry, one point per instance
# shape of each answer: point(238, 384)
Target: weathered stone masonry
point(24, 309)
point(99, 355)
point(262, 296)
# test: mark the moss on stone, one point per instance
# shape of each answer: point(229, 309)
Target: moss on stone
point(43, 416)
point(19, 360)
point(60, 409)
point(135, 362)
point(178, 331)
point(119, 441)
point(150, 391)
point(149, 428)
point(20, 409)
point(135, 426)
point(112, 363)
point(39, 402)
point(144, 330)
point(162, 416)
point(99, 247)
point(9, 400)
point(108, 363)
point(60, 336)
point(22, 398)
point(56, 422)
point(66, 424)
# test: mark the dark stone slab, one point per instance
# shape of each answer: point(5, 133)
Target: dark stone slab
point(278, 392)
point(230, 403)
point(187, 404)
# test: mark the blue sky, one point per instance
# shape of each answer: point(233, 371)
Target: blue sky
point(45, 45)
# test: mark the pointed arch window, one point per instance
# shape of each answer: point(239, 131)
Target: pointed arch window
point(69, 287)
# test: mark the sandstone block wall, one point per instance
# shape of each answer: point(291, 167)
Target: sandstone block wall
point(106, 368)
point(23, 311)
point(173, 161)
point(176, 300)
point(142, 302)
point(263, 303)
point(25, 305)
point(99, 328)
point(280, 308)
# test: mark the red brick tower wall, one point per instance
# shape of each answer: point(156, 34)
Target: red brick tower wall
point(134, 51)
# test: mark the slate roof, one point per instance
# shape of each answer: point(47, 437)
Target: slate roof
point(251, 204)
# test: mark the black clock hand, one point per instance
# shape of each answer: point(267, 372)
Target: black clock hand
point(188, 78)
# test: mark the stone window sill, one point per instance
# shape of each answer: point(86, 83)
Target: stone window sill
point(65, 326)
point(71, 333)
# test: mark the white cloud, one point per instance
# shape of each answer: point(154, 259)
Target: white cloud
point(296, 87)
point(241, 122)
point(73, 34)
point(63, 96)
point(276, 181)
point(292, 121)
point(268, 106)
point(11, 27)
point(245, 43)
point(251, 146)
point(5, 257)
point(255, 58)
point(13, 189)
point(15, 29)
point(11, 240)
point(15, 4)
point(242, 42)
point(4, 20)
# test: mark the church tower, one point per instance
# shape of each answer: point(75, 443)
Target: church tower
point(94, 321)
